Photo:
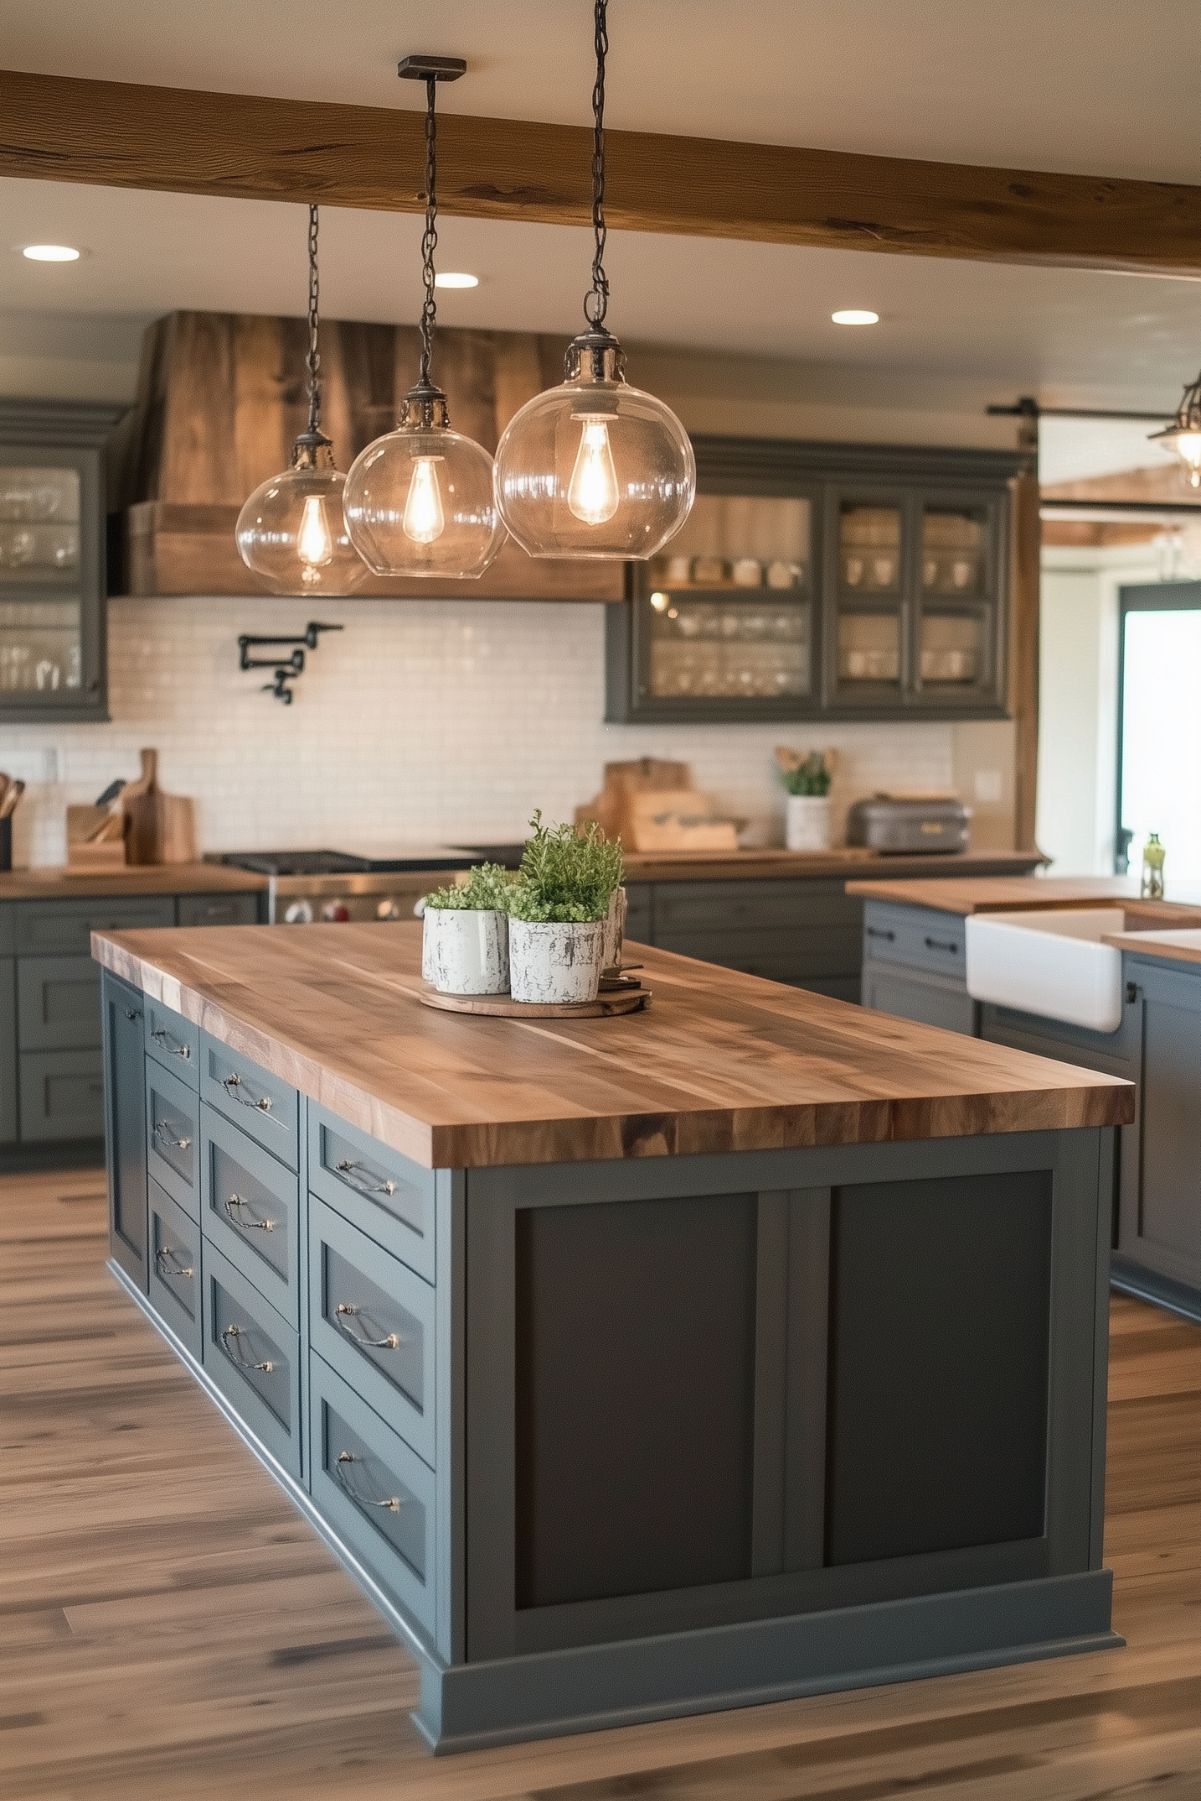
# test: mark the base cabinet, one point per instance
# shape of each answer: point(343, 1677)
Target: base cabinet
point(122, 1010)
point(8, 1041)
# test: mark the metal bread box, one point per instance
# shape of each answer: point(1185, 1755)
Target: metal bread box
point(908, 825)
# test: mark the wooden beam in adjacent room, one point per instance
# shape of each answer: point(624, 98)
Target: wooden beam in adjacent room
point(188, 141)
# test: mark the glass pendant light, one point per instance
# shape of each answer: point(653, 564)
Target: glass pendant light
point(419, 501)
point(595, 468)
point(1183, 435)
point(291, 532)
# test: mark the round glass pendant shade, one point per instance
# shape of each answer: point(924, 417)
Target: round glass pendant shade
point(419, 502)
point(594, 468)
point(292, 534)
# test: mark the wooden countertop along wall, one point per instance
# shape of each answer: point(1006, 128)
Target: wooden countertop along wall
point(1000, 894)
point(1180, 946)
point(145, 878)
point(720, 1062)
point(689, 866)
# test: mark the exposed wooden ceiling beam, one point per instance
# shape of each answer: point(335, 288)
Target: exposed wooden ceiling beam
point(188, 141)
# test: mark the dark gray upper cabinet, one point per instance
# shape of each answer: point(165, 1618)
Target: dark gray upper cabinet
point(52, 558)
point(833, 581)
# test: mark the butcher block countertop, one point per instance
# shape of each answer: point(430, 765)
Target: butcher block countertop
point(703, 866)
point(720, 1062)
point(1180, 946)
point(144, 878)
point(1000, 894)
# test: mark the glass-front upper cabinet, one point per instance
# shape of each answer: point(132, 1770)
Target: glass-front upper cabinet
point(960, 565)
point(52, 556)
point(723, 621)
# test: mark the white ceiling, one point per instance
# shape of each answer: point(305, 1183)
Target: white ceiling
point(1101, 86)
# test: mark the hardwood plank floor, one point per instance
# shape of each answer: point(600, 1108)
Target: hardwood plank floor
point(171, 1631)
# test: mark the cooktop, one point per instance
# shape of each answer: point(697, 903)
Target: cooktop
point(337, 862)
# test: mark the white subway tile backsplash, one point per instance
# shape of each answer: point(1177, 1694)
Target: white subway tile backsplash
point(432, 719)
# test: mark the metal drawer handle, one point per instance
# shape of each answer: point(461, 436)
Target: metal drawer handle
point(237, 1332)
point(232, 1084)
point(879, 932)
point(174, 1049)
point(942, 944)
point(166, 1135)
point(393, 1503)
point(344, 1312)
point(247, 1225)
point(163, 1258)
point(347, 1168)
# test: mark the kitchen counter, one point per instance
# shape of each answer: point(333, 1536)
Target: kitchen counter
point(1181, 945)
point(752, 1346)
point(720, 1062)
point(150, 878)
point(760, 865)
point(999, 894)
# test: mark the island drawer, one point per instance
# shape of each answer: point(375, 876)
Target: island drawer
point(253, 1356)
point(384, 1194)
point(58, 1004)
point(375, 1492)
point(256, 1100)
point(250, 1208)
point(923, 939)
point(174, 1040)
point(372, 1319)
point(175, 1269)
point(64, 928)
point(172, 1133)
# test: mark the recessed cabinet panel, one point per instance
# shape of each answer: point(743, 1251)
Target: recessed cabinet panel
point(174, 1268)
point(8, 1051)
point(125, 1126)
point(58, 1003)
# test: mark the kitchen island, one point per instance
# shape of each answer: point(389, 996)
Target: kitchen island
point(747, 1347)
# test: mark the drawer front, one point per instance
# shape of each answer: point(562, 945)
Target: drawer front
point(64, 928)
point(253, 1356)
point(378, 1190)
point(218, 909)
point(8, 936)
point(374, 1490)
point(639, 914)
point(781, 953)
point(692, 906)
point(918, 937)
point(174, 1041)
point(373, 1321)
point(175, 1286)
point(1116, 1053)
point(58, 1003)
point(62, 1096)
point(263, 1105)
point(250, 1210)
point(172, 1134)
point(8, 1050)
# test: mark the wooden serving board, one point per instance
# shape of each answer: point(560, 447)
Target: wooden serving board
point(503, 1006)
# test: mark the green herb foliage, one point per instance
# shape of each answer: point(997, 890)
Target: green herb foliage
point(813, 776)
point(568, 874)
point(486, 889)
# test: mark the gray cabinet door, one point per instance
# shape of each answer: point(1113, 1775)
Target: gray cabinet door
point(1159, 1219)
point(125, 1125)
point(58, 1003)
point(8, 1051)
point(218, 909)
point(911, 993)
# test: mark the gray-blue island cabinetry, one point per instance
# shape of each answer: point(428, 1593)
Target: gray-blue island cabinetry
point(639, 1366)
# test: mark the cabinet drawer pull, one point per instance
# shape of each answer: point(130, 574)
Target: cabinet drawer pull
point(248, 1225)
point(232, 1086)
point(880, 932)
point(347, 1168)
point(393, 1503)
point(166, 1135)
point(237, 1332)
point(167, 1268)
point(169, 1044)
point(942, 944)
point(344, 1312)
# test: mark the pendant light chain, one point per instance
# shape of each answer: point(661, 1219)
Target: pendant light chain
point(596, 301)
point(313, 359)
point(429, 242)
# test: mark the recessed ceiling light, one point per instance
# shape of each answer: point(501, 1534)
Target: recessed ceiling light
point(51, 253)
point(854, 315)
point(450, 278)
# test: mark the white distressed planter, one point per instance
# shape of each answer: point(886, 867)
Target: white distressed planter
point(615, 929)
point(552, 963)
point(807, 822)
point(465, 950)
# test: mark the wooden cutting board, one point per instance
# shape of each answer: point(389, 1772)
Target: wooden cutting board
point(160, 828)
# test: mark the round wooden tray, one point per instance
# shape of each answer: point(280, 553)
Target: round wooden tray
point(503, 1006)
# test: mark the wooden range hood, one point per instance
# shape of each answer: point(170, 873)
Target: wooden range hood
point(221, 397)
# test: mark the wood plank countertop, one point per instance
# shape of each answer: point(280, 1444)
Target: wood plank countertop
point(142, 878)
point(1180, 946)
point(684, 866)
point(1012, 894)
point(720, 1062)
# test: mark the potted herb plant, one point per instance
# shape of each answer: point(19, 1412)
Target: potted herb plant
point(465, 938)
point(559, 911)
point(807, 815)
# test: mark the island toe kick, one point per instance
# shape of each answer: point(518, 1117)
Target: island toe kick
point(611, 1440)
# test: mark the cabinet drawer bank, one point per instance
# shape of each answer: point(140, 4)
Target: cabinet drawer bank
point(608, 1439)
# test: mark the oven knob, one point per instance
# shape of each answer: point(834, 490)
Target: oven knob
point(298, 913)
point(388, 909)
point(335, 910)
